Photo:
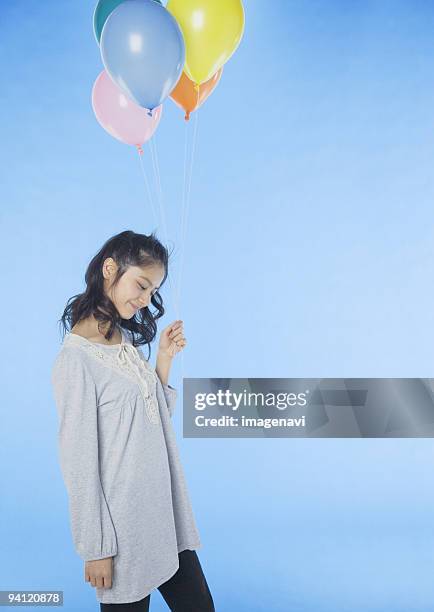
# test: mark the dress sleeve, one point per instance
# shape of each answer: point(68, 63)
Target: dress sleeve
point(166, 395)
point(75, 395)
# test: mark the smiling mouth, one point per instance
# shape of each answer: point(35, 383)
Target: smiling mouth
point(135, 307)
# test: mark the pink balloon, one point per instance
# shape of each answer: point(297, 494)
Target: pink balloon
point(119, 115)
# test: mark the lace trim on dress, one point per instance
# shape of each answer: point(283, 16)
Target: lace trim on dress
point(126, 359)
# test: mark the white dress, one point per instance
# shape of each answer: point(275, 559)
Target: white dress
point(120, 463)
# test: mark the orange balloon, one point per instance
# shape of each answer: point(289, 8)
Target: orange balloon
point(190, 96)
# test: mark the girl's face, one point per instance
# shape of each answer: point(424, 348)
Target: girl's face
point(135, 287)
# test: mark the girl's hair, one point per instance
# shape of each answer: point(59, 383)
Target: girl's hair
point(127, 249)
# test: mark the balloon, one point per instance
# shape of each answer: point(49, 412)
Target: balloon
point(189, 97)
point(143, 51)
point(102, 11)
point(212, 31)
point(121, 117)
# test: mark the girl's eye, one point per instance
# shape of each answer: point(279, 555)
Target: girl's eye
point(144, 288)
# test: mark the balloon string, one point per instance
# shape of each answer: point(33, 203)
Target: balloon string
point(184, 192)
point(187, 199)
point(196, 122)
point(185, 210)
point(160, 196)
point(154, 153)
point(148, 190)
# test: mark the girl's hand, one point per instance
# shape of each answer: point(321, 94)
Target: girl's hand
point(99, 572)
point(172, 339)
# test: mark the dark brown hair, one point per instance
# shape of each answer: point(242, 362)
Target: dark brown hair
point(127, 249)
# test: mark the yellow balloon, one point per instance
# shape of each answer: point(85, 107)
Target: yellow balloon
point(212, 30)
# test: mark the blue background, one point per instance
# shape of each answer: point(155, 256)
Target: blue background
point(309, 253)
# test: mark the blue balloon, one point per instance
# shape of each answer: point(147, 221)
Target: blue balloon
point(143, 51)
point(102, 11)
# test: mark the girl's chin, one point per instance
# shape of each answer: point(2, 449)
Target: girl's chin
point(131, 311)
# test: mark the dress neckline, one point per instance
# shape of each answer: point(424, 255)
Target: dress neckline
point(73, 335)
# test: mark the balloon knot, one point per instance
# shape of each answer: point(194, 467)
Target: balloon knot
point(150, 112)
point(196, 87)
point(187, 116)
point(139, 149)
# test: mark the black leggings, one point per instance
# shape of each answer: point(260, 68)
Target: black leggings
point(186, 591)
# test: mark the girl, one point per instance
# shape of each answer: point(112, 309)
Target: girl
point(131, 518)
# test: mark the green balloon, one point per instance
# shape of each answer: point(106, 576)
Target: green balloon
point(102, 11)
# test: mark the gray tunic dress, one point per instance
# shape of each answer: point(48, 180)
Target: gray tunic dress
point(120, 464)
